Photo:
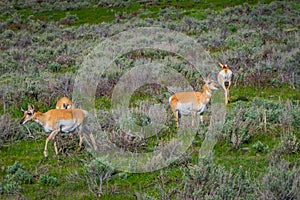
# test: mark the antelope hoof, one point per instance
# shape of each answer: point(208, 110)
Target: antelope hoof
point(45, 153)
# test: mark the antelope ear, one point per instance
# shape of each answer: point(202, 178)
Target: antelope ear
point(206, 79)
point(221, 65)
point(30, 107)
point(22, 109)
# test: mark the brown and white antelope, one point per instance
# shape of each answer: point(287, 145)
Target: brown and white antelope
point(64, 103)
point(225, 78)
point(55, 121)
point(192, 103)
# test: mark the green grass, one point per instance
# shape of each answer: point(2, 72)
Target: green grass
point(30, 154)
point(104, 14)
point(62, 167)
point(246, 93)
point(247, 157)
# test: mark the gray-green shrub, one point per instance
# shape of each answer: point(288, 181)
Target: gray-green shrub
point(281, 181)
point(209, 181)
point(16, 175)
point(48, 180)
point(96, 173)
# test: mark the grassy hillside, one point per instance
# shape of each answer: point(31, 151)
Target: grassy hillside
point(44, 45)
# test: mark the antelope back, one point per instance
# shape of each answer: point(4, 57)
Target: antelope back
point(64, 103)
point(55, 115)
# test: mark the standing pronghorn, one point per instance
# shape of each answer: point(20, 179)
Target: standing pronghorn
point(192, 103)
point(225, 78)
point(55, 121)
point(64, 103)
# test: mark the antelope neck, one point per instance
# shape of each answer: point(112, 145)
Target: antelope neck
point(39, 118)
point(207, 90)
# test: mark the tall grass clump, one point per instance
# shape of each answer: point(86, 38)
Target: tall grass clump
point(209, 181)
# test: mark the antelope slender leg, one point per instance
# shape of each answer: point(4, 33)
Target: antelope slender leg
point(193, 117)
point(177, 118)
point(228, 96)
point(201, 118)
point(52, 134)
point(80, 140)
point(55, 147)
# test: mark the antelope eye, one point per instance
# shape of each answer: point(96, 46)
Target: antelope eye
point(29, 114)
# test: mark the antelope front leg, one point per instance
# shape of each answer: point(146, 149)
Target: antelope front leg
point(52, 134)
point(193, 117)
point(201, 118)
point(225, 92)
point(177, 118)
point(228, 97)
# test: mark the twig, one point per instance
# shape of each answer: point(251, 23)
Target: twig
point(30, 135)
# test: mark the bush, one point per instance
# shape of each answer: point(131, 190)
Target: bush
point(14, 168)
point(10, 188)
point(209, 181)
point(260, 147)
point(240, 124)
point(96, 172)
point(281, 181)
point(48, 180)
point(10, 130)
point(17, 173)
point(245, 120)
point(289, 144)
point(15, 177)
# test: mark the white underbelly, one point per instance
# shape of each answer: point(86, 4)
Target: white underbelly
point(67, 125)
point(189, 108)
point(63, 126)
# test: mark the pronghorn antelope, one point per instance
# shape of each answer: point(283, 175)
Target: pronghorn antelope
point(64, 103)
point(55, 121)
point(192, 103)
point(225, 77)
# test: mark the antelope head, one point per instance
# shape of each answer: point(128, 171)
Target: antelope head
point(211, 84)
point(28, 114)
point(224, 66)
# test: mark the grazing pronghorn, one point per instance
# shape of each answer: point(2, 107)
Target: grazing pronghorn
point(55, 121)
point(225, 77)
point(192, 103)
point(64, 103)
